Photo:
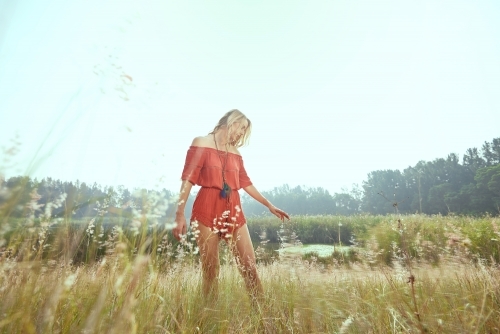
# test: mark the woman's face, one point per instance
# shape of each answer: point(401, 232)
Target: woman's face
point(238, 130)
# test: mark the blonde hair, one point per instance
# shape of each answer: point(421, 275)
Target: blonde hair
point(231, 117)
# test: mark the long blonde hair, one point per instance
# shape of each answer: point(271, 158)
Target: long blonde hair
point(231, 117)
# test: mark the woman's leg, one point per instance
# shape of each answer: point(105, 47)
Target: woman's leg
point(242, 247)
point(208, 243)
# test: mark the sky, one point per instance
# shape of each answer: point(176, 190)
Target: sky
point(113, 92)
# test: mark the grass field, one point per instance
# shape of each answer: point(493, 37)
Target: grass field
point(118, 295)
point(401, 274)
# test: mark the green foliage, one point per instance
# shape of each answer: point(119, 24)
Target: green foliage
point(482, 237)
point(382, 190)
point(322, 229)
point(441, 186)
point(425, 238)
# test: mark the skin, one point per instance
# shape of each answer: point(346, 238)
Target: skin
point(208, 241)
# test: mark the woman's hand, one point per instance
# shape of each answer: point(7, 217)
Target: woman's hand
point(279, 213)
point(252, 191)
point(180, 229)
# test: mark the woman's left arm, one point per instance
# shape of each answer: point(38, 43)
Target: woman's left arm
point(252, 191)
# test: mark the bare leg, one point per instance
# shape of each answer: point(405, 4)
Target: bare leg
point(208, 242)
point(242, 247)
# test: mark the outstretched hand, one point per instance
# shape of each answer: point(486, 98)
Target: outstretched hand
point(279, 213)
point(252, 191)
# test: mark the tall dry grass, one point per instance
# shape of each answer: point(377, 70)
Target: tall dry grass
point(136, 280)
point(119, 295)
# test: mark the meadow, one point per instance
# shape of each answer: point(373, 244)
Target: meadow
point(389, 274)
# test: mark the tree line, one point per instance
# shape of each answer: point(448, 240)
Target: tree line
point(442, 186)
point(21, 195)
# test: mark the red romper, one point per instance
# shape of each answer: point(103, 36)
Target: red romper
point(203, 167)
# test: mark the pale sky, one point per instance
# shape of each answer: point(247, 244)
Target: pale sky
point(113, 92)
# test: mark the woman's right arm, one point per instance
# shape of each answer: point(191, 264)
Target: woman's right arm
point(187, 174)
point(180, 218)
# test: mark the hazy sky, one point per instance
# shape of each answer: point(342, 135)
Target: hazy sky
point(113, 92)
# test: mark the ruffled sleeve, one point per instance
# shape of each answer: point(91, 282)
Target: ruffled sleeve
point(194, 163)
point(244, 180)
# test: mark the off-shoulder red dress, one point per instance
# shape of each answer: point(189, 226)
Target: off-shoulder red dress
point(203, 167)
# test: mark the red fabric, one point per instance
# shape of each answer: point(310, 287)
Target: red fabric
point(203, 167)
point(221, 215)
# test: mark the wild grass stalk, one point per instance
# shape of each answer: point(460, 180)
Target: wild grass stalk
point(59, 275)
point(407, 260)
point(119, 295)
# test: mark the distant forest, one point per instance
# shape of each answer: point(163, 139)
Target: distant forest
point(443, 186)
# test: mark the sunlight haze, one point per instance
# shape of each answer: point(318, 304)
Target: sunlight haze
point(114, 92)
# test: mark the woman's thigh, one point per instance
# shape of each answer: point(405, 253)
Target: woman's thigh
point(208, 243)
point(243, 247)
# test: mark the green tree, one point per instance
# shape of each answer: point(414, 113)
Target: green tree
point(384, 192)
point(491, 152)
point(345, 204)
point(439, 199)
point(488, 182)
point(18, 195)
point(473, 161)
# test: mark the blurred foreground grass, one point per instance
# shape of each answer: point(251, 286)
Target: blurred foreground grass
point(121, 295)
point(402, 274)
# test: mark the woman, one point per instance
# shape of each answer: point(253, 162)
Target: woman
point(214, 163)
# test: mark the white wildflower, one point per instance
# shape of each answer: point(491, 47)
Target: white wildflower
point(69, 281)
point(345, 324)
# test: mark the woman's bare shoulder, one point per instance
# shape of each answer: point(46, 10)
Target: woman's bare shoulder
point(202, 141)
point(235, 150)
point(207, 141)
